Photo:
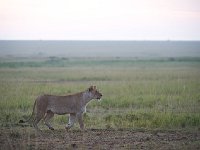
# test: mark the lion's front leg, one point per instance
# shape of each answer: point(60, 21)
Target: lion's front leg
point(72, 119)
point(80, 120)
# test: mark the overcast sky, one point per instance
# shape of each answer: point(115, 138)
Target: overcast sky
point(100, 19)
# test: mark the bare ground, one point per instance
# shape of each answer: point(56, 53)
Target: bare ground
point(28, 138)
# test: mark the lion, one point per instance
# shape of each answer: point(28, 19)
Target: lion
point(46, 106)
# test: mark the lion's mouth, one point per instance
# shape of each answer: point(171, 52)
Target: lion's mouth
point(99, 98)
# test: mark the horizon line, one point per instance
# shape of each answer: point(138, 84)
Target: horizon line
point(100, 40)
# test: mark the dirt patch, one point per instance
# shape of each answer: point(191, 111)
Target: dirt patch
point(27, 138)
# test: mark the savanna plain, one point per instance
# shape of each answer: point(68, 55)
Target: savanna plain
point(146, 103)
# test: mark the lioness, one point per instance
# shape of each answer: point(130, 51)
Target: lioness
point(46, 106)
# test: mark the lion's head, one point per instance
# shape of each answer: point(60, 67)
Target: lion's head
point(95, 94)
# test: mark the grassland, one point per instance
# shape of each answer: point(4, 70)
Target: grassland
point(151, 94)
point(146, 104)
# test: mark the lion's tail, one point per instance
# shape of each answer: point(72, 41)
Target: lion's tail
point(31, 117)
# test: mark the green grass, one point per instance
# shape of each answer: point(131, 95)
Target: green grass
point(136, 93)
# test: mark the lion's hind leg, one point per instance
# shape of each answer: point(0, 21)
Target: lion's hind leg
point(37, 119)
point(47, 118)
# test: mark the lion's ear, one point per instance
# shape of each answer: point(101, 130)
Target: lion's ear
point(90, 88)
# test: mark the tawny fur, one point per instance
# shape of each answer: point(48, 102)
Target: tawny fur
point(47, 105)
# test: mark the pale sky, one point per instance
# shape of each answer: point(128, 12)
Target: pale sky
point(100, 19)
